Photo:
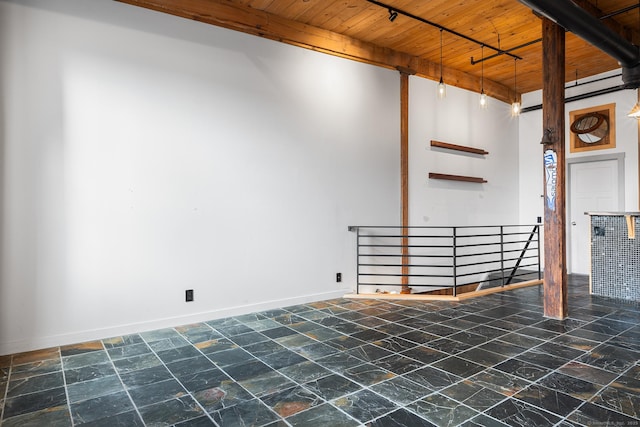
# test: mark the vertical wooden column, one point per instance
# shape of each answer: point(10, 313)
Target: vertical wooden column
point(404, 176)
point(555, 235)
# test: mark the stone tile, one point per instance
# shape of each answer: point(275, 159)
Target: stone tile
point(85, 390)
point(401, 418)
point(87, 373)
point(442, 411)
point(611, 358)
point(34, 402)
point(369, 352)
point(575, 387)
point(282, 359)
point(619, 399)
point(27, 370)
point(35, 356)
point(85, 359)
point(177, 353)
point(100, 407)
point(250, 413)
point(305, 371)
point(473, 395)
point(587, 373)
point(551, 400)
point(86, 347)
point(51, 417)
point(122, 341)
point(500, 382)
point(228, 394)
point(169, 344)
point(516, 413)
point(367, 374)
point(395, 344)
point(126, 351)
point(432, 378)
point(365, 405)
point(401, 390)
point(291, 401)
point(398, 364)
point(145, 376)
point(457, 366)
point(159, 335)
point(135, 363)
point(196, 381)
point(595, 415)
point(157, 392)
point(171, 411)
point(268, 383)
point(483, 357)
point(526, 370)
point(325, 414)
point(332, 386)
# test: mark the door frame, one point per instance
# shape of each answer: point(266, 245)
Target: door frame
point(619, 157)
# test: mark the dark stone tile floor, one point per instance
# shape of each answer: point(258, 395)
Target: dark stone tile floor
point(490, 361)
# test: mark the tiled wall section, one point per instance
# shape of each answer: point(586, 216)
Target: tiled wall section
point(615, 259)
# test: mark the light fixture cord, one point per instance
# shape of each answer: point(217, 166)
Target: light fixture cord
point(515, 80)
point(440, 54)
point(482, 69)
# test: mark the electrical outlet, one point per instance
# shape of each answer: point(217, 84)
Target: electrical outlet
point(539, 220)
point(188, 295)
point(338, 277)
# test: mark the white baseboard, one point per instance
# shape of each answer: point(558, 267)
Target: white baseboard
point(36, 343)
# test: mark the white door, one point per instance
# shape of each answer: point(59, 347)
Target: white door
point(593, 188)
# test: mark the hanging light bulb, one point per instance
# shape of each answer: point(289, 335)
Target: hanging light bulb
point(483, 96)
point(515, 106)
point(442, 89)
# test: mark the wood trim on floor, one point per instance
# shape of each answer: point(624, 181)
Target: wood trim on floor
point(461, 297)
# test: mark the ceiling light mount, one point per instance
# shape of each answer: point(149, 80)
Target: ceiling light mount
point(392, 15)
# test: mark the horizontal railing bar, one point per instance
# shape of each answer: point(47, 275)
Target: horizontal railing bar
point(407, 265)
point(404, 246)
point(441, 276)
point(404, 236)
point(403, 256)
point(386, 227)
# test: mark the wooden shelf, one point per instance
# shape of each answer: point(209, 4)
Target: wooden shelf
point(457, 178)
point(458, 147)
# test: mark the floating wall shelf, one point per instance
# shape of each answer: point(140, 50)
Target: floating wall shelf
point(457, 178)
point(458, 147)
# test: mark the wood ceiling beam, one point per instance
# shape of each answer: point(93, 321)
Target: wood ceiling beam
point(252, 21)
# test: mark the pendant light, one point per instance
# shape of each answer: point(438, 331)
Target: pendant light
point(483, 96)
point(442, 89)
point(515, 106)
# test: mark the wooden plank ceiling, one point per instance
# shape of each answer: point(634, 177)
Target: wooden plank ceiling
point(361, 30)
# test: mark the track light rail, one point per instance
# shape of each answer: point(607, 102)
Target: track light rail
point(443, 28)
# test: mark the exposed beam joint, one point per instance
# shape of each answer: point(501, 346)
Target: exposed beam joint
point(263, 24)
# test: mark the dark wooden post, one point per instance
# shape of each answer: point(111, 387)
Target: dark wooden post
point(555, 236)
point(404, 175)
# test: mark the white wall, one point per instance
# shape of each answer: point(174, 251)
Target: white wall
point(530, 134)
point(458, 119)
point(144, 154)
